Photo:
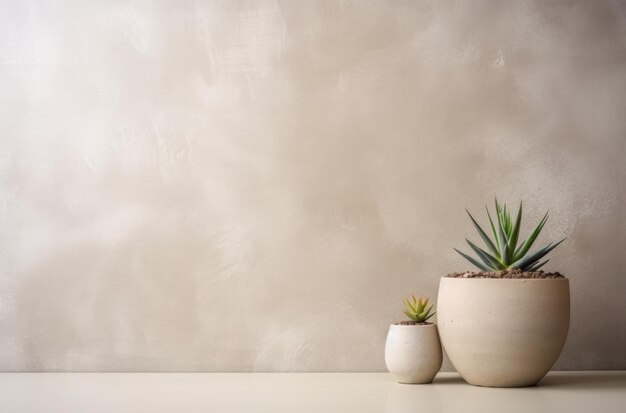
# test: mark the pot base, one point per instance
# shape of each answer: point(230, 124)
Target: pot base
point(504, 386)
point(413, 382)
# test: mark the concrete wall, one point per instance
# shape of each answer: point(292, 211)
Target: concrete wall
point(255, 185)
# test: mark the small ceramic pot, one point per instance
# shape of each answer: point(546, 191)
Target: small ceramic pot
point(503, 332)
point(413, 353)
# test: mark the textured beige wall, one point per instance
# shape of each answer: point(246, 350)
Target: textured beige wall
point(255, 185)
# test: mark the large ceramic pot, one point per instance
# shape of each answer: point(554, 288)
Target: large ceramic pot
point(503, 332)
point(413, 353)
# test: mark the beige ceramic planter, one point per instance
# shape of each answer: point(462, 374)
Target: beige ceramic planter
point(503, 332)
point(413, 353)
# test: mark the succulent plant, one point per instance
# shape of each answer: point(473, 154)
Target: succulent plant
point(418, 310)
point(505, 249)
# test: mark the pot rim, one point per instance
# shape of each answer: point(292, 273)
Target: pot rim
point(505, 279)
point(414, 325)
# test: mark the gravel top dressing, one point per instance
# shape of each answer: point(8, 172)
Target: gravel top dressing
point(514, 273)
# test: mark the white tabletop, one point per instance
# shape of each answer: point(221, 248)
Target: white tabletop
point(301, 392)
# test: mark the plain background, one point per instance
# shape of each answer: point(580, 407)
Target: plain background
point(256, 185)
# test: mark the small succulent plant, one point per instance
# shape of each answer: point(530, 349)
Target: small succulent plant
point(505, 249)
point(418, 310)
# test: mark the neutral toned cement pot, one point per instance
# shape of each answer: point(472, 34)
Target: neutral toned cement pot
point(503, 332)
point(413, 353)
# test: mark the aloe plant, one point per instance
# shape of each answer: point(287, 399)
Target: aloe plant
point(505, 249)
point(418, 310)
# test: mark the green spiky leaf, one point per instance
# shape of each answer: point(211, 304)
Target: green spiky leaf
point(424, 313)
point(538, 265)
point(523, 249)
point(483, 235)
point(504, 246)
point(473, 261)
point(515, 229)
point(488, 259)
point(493, 232)
point(410, 315)
point(530, 260)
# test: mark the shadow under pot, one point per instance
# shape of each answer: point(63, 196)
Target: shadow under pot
point(413, 352)
point(503, 332)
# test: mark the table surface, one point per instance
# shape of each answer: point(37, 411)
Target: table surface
point(301, 392)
